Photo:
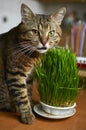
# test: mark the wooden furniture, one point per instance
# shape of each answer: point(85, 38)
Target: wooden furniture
point(10, 121)
point(82, 73)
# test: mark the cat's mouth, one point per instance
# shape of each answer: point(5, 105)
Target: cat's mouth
point(42, 49)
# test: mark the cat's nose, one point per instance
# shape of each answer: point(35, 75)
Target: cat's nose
point(44, 41)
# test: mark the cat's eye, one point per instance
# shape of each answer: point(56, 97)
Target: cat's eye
point(35, 32)
point(51, 33)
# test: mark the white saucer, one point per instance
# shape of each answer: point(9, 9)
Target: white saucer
point(39, 111)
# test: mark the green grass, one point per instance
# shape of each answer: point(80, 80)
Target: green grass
point(58, 78)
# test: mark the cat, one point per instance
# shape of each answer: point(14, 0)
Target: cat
point(20, 50)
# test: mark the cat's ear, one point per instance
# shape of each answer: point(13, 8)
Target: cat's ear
point(59, 15)
point(26, 13)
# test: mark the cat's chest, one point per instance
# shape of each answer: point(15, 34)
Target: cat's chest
point(29, 63)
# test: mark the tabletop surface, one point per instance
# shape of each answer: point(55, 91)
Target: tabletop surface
point(10, 121)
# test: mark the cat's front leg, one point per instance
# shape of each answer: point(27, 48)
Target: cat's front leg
point(19, 94)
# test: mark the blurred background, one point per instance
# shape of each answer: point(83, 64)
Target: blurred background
point(74, 27)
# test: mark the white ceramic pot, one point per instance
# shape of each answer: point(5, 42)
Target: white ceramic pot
point(57, 110)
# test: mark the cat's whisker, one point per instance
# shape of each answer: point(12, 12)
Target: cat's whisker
point(29, 50)
point(18, 45)
point(22, 49)
point(18, 51)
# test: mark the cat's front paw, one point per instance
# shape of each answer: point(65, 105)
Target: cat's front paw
point(27, 118)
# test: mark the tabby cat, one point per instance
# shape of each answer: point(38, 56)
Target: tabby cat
point(20, 49)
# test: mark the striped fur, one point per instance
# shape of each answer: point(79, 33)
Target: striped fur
point(20, 50)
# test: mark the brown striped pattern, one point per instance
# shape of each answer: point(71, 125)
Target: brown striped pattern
point(20, 50)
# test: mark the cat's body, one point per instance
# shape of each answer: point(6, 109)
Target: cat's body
point(20, 50)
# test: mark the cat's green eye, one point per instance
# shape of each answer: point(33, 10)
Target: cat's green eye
point(51, 33)
point(35, 32)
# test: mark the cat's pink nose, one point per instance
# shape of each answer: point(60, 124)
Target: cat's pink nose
point(44, 41)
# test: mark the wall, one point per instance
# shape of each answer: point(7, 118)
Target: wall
point(10, 9)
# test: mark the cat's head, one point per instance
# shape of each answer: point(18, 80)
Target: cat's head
point(41, 32)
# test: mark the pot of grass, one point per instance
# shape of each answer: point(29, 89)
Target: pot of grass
point(58, 81)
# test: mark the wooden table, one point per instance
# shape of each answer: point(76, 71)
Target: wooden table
point(82, 73)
